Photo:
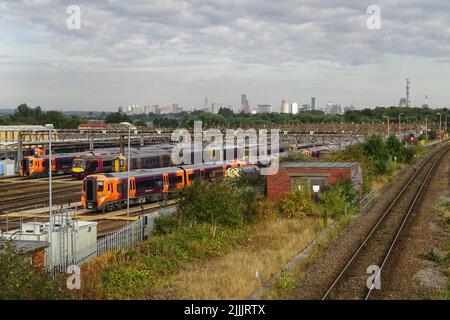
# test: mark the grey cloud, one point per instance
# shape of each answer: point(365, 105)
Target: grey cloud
point(267, 31)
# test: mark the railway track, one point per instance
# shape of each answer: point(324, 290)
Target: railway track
point(61, 194)
point(371, 256)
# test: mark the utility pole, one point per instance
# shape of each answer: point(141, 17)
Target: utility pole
point(440, 127)
point(426, 129)
point(50, 199)
point(388, 126)
point(400, 126)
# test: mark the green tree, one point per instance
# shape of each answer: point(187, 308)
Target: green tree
point(117, 117)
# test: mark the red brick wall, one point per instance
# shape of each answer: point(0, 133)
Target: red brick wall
point(280, 184)
point(38, 259)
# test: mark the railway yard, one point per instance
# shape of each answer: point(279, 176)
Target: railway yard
point(390, 240)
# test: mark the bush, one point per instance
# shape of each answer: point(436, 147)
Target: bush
point(340, 199)
point(20, 281)
point(298, 203)
point(217, 203)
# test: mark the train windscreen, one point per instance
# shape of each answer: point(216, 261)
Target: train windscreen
point(90, 190)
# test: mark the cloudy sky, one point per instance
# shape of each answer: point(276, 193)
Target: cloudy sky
point(179, 51)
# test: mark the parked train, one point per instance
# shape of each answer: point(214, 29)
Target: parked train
point(158, 156)
point(109, 191)
point(149, 157)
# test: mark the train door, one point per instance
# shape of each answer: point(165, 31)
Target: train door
point(132, 187)
point(165, 182)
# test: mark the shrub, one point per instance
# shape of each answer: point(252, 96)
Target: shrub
point(340, 199)
point(20, 281)
point(298, 203)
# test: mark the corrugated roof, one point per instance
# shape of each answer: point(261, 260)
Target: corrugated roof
point(318, 164)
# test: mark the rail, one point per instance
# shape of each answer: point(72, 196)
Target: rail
point(440, 153)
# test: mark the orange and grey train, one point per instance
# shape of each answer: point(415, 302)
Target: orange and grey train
point(109, 191)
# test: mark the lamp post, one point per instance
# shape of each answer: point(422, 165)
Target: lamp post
point(388, 126)
point(440, 126)
point(128, 170)
point(50, 197)
point(399, 125)
point(426, 129)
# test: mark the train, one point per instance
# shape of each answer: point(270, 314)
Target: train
point(149, 157)
point(37, 166)
point(158, 156)
point(316, 152)
point(109, 191)
point(62, 163)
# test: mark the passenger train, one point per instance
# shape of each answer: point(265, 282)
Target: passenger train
point(109, 191)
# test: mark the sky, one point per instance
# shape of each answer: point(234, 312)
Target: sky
point(176, 51)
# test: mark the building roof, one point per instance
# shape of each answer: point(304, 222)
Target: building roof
point(93, 125)
point(26, 245)
point(21, 127)
point(316, 164)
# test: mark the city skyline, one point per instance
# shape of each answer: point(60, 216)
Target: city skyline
point(166, 52)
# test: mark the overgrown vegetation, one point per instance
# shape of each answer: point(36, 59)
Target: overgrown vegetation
point(377, 157)
point(19, 280)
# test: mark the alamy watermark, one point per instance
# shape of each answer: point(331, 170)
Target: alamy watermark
point(73, 22)
point(246, 146)
point(74, 280)
point(374, 280)
point(373, 22)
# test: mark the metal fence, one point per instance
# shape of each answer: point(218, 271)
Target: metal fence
point(126, 237)
point(366, 203)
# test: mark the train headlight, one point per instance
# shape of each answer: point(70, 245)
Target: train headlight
point(101, 196)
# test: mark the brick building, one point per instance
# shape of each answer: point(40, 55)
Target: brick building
point(318, 175)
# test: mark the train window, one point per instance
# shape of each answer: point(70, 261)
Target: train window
point(107, 163)
point(100, 186)
point(175, 179)
point(120, 188)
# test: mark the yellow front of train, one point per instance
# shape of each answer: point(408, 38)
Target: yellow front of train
point(78, 167)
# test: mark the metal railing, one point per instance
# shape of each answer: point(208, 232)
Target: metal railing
point(366, 202)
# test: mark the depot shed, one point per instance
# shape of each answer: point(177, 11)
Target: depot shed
point(318, 175)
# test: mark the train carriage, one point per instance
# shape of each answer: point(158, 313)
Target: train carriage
point(109, 191)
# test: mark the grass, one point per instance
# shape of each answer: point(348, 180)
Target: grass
point(285, 285)
point(269, 247)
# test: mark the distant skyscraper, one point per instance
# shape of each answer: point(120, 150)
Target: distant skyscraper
point(245, 104)
point(294, 107)
point(215, 108)
point(264, 108)
point(313, 103)
point(206, 102)
point(284, 107)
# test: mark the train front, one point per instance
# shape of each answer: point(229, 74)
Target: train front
point(78, 167)
point(95, 194)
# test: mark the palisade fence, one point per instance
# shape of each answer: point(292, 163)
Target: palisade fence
point(366, 203)
point(127, 237)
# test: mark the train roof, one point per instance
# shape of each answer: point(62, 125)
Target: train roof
point(143, 172)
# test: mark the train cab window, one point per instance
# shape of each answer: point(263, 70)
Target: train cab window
point(120, 188)
point(100, 186)
point(107, 163)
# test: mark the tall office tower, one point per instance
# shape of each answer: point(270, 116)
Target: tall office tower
point(313, 103)
point(215, 108)
point(284, 106)
point(245, 104)
point(264, 108)
point(294, 108)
